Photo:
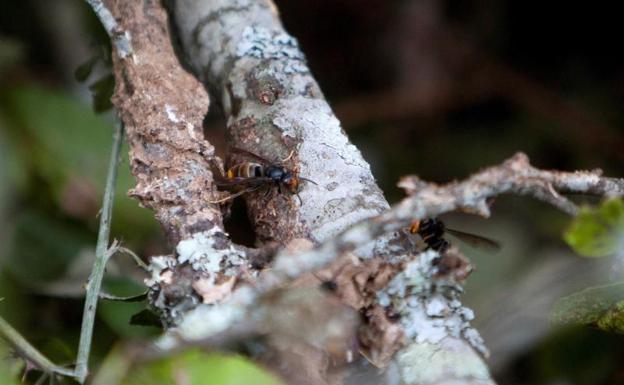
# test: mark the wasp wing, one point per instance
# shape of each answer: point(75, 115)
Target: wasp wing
point(475, 240)
point(237, 194)
point(243, 182)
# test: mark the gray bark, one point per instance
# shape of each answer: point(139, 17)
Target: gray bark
point(273, 105)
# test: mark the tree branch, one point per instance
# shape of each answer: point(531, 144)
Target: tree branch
point(119, 37)
point(429, 334)
point(29, 352)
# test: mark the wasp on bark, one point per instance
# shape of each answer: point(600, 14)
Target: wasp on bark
point(257, 173)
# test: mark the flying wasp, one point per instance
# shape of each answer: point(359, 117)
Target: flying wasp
point(432, 232)
point(250, 176)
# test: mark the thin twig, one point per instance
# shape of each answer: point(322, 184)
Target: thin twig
point(29, 352)
point(102, 253)
point(133, 255)
point(119, 37)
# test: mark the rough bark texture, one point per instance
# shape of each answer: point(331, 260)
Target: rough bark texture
point(162, 107)
point(273, 106)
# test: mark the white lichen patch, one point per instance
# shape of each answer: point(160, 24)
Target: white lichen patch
point(200, 252)
point(263, 43)
point(583, 181)
point(429, 306)
point(450, 364)
point(157, 268)
point(200, 323)
point(206, 321)
point(354, 195)
point(171, 114)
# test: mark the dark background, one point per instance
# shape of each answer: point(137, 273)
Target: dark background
point(434, 88)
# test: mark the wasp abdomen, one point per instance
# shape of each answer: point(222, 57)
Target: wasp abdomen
point(245, 170)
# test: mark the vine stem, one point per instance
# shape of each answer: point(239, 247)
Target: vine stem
point(102, 254)
point(29, 352)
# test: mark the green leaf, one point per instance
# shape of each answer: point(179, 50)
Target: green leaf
point(601, 306)
point(84, 70)
point(7, 371)
point(117, 315)
point(598, 232)
point(195, 367)
point(44, 248)
point(102, 91)
point(146, 317)
point(64, 141)
point(613, 319)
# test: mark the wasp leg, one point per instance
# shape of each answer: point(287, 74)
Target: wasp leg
point(288, 157)
point(232, 196)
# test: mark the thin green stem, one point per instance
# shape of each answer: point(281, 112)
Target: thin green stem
point(29, 352)
point(101, 257)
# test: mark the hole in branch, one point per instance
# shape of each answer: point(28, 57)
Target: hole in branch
point(238, 225)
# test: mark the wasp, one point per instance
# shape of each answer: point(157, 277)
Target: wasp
point(257, 173)
point(432, 232)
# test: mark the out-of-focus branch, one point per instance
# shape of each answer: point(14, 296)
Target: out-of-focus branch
point(119, 37)
point(29, 352)
point(102, 254)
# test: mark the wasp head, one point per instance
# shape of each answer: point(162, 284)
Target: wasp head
point(291, 182)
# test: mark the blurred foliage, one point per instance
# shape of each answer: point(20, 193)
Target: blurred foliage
point(598, 232)
point(195, 367)
point(574, 356)
point(102, 90)
point(43, 249)
point(117, 314)
point(601, 307)
point(8, 374)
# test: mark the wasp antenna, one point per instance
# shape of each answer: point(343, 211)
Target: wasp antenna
point(288, 157)
point(300, 201)
point(227, 198)
point(308, 180)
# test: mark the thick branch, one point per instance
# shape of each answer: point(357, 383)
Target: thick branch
point(163, 107)
point(273, 105)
